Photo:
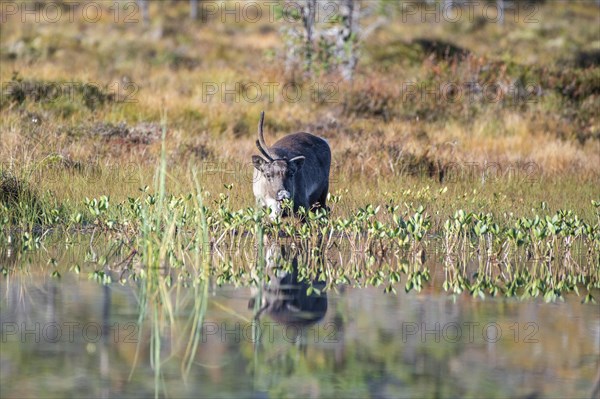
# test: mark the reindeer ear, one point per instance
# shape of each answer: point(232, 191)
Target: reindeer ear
point(297, 162)
point(258, 162)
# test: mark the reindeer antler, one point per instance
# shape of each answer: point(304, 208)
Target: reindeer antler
point(260, 143)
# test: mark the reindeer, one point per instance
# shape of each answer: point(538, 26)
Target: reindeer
point(295, 168)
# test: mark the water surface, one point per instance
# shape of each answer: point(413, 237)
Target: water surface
point(74, 337)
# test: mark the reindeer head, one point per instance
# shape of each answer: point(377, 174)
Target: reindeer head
point(278, 173)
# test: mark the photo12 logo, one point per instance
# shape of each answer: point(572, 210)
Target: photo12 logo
point(55, 332)
point(468, 11)
point(53, 12)
point(269, 332)
point(91, 93)
point(471, 92)
point(228, 172)
point(270, 92)
point(469, 332)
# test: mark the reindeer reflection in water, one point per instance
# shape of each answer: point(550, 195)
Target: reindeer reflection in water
point(286, 299)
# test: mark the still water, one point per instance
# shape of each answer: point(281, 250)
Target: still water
point(75, 337)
